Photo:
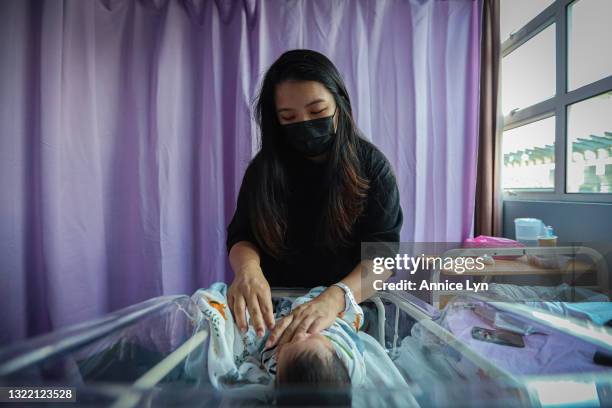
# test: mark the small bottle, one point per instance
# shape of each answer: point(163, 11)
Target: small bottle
point(549, 238)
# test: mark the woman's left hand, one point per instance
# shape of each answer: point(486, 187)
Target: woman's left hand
point(311, 317)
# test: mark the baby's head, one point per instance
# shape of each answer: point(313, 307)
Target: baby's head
point(310, 361)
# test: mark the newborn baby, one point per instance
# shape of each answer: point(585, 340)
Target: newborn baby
point(310, 358)
point(310, 361)
point(333, 357)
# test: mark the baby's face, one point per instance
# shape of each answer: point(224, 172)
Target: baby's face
point(300, 343)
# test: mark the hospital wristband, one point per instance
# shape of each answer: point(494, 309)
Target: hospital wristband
point(349, 299)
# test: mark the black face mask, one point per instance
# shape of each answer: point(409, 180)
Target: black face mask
point(311, 137)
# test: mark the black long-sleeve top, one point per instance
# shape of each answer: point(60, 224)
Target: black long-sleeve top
point(312, 264)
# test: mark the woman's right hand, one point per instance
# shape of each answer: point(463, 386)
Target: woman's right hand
point(250, 291)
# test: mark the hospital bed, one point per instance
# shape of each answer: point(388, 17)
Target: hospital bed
point(154, 354)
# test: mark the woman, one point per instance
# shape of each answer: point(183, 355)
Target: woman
point(311, 195)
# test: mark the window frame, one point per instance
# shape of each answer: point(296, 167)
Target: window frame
point(555, 13)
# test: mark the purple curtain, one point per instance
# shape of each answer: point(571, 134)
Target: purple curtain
point(125, 128)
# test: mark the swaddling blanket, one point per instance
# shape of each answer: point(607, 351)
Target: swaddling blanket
point(235, 358)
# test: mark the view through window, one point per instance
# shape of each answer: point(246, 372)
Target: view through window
point(556, 98)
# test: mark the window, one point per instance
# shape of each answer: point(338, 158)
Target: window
point(589, 144)
point(589, 31)
point(517, 13)
point(533, 72)
point(529, 156)
point(556, 98)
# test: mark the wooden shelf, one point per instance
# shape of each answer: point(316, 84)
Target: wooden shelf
point(520, 266)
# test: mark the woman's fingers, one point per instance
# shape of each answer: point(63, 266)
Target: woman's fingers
point(256, 318)
point(303, 327)
point(291, 330)
point(239, 313)
point(316, 327)
point(279, 330)
point(265, 303)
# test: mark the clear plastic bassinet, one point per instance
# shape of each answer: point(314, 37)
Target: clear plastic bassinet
point(154, 354)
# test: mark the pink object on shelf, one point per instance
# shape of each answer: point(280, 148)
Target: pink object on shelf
point(485, 241)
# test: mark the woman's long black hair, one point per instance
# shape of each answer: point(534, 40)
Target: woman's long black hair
point(347, 187)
